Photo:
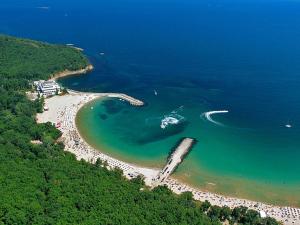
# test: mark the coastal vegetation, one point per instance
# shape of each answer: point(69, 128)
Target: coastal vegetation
point(24, 60)
point(42, 184)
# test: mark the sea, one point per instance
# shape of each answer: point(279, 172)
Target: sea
point(226, 73)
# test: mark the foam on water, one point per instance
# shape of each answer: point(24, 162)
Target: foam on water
point(171, 119)
point(179, 109)
point(168, 120)
point(207, 116)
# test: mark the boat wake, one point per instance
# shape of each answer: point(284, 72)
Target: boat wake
point(207, 116)
point(170, 120)
point(43, 7)
point(174, 118)
point(179, 109)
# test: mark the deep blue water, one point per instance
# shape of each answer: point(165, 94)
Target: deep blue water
point(243, 56)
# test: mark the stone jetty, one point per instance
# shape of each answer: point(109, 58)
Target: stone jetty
point(175, 159)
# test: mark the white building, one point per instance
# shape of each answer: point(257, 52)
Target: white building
point(47, 88)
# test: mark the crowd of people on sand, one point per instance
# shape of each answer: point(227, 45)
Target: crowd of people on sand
point(75, 144)
point(65, 116)
point(288, 215)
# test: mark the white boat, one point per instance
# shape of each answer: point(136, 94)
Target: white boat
point(288, 125)
point(155, 92)
point(167, 121)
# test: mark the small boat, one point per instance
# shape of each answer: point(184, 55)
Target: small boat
point(288, 125)
point(168, 120)
point(102, 53)
point(155, 92)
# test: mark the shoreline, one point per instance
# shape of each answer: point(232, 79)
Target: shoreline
point(63, 110)
point(89, 68)
point(107, 150)
point(66, 73)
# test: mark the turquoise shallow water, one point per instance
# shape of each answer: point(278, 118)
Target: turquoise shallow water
point(256, 162)
point(199, 56)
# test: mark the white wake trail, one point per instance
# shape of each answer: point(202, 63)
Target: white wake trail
point(208, 115)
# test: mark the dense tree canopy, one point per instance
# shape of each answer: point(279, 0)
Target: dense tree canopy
point(42, 184)
point(27, 59)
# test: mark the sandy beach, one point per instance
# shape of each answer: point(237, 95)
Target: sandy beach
point(62, 112)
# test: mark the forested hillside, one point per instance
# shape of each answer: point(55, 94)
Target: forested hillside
point(22, 59)
point(42, 184)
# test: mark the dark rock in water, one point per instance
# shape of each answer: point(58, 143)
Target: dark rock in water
point(103, 116)
point(112, 106)
point(160, 134)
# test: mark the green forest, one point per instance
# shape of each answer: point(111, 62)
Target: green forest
point(42, 184)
